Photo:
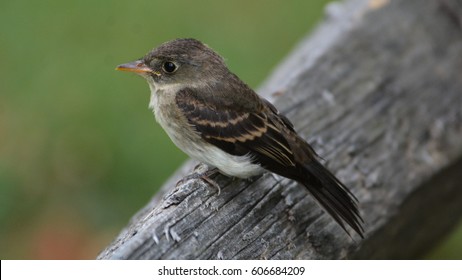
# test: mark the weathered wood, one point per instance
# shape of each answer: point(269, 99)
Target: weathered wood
point(377, 90)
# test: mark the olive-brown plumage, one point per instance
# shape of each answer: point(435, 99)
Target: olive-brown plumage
point(213, 116)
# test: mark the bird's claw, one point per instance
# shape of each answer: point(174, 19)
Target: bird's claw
point(204, 176)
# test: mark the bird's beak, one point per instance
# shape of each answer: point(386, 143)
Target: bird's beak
point(137, 66)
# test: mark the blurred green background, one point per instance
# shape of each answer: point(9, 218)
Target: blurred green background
point(80, 151)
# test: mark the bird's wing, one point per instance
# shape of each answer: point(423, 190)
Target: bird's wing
point(238, 131)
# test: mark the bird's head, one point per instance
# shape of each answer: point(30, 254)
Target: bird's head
point(178, 62)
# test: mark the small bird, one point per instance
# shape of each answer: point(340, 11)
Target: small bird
point(217, 119)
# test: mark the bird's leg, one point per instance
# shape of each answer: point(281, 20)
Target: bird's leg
point(203, 175)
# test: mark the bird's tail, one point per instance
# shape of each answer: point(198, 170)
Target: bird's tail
point(333, 195)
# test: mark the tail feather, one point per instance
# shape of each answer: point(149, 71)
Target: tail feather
point(333, 195)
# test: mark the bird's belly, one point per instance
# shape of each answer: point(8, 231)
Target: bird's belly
point(198, 149)
point(230, 165)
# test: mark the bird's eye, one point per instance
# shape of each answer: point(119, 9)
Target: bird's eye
point(169, 67)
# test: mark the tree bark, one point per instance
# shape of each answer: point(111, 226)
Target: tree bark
point(377, 91)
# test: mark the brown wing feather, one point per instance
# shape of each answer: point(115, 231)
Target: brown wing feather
point(237, 132)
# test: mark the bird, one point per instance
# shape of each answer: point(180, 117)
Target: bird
point(217, 119)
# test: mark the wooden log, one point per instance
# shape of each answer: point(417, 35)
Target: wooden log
point(377, 90)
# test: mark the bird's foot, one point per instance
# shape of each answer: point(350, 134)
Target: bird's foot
point(203, 175)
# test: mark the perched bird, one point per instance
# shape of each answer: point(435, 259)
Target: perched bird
point(215, 118)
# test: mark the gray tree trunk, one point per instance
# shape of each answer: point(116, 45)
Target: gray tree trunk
point(377, 90)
